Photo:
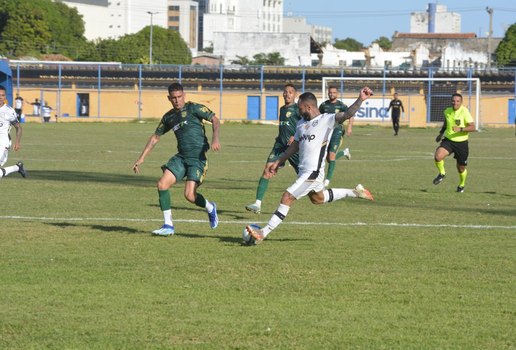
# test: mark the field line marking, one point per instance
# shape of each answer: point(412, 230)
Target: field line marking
point(387, 224)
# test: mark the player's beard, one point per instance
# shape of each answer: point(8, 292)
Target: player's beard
point(306, 116)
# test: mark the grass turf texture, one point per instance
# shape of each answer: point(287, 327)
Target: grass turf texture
point(421, 267)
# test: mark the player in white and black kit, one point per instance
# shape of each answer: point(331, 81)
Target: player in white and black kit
point(7, 119)
point(311, 141)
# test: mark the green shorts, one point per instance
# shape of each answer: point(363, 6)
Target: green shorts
point(276, 152)
point(335, 140)
point(193, 169)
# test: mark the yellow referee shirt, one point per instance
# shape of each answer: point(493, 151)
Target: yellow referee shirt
point(460, 117)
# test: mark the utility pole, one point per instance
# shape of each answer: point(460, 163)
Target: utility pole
point(150, 39)
point(489, 36)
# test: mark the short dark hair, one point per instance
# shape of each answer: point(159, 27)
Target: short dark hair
point(3, 88)
point(289, 85)
point(332, 87)
point(175, 87)
point(308, 97)
point(456, 94)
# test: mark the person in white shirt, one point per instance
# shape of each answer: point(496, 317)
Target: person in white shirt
point(18, 106)
point(311, 141)
point(8, 118)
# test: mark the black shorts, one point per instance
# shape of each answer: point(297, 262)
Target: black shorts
point(460, 150)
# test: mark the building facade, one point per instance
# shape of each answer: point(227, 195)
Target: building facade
point(233, 16)
point(436, 19)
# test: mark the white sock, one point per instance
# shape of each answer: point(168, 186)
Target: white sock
point(209, 206)
point(276, 219)
point(167, 215)
point(334, 194)
point(9, 170)
point(258, 203)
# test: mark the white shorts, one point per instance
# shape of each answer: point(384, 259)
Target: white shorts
point(304, 185)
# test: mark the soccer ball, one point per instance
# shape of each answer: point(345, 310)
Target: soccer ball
point(247, 238)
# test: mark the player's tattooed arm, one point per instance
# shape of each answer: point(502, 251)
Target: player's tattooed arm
point(365, 93)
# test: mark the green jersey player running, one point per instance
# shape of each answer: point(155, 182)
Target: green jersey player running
point(288, 118)
point(186, 120)
point(334, 105)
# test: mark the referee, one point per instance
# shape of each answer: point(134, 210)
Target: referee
point(457, 125)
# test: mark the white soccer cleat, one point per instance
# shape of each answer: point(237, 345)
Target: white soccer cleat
point(363, 193)
point(255, 208)
point(347, 154)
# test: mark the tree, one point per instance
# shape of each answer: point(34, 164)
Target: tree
point(506, 50)
point(242, 60)
point(270, 59)
point(384, 43)
point(167, 48)
point(348, 44)
point(34, 27)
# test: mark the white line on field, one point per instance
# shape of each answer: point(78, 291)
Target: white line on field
point(235, 222)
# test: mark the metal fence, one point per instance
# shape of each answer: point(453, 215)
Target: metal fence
point(99, 81)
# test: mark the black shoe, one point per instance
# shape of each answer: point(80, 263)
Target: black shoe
point(460, 189)
point(439, 179)
point(21, 169)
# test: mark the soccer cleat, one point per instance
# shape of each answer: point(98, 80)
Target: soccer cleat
point(213, 217)
point(165, 230)
point(363, 193)
point(326, 183)
point(256, 234)
point(254, 208)
point(347, 153)
point(21, 169)
point(460, 189)
point(439, 178)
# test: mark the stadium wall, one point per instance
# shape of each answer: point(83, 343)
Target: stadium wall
point(122, 105)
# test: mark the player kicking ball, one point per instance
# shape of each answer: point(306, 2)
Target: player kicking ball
point(311, 142)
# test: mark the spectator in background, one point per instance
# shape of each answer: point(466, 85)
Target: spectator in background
point(36, 107)
point(46, 112)
point(18, 106)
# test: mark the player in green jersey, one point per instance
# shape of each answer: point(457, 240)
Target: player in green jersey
point(334, 105)
point(288, 118)
point(186, 120)
point(457, 125)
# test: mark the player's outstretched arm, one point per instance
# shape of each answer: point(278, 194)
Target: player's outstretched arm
point(365, 93)
point(215, 126)
point(153, 140)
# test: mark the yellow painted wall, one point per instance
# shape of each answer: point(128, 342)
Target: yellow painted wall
point(121, 105)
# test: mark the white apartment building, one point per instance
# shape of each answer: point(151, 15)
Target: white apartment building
point(183, 16)
point(115, 18)
point(435, 19)
point(295, 24)
point(234, 16)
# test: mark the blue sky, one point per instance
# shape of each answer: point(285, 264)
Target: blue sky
point(368, 20)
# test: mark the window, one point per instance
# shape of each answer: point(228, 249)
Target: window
point(176, 28)
point(173, 8)
point(173, 18)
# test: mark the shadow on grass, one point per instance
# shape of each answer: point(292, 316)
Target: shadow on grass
point(104, 228)
point(82, 176)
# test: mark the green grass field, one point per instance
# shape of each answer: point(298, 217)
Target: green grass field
point(422, 267)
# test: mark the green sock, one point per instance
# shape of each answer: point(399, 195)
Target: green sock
point(164, 200)
point(200, 201)
point(262, 188)
point(331, 169)
point(340, 154)
point(440, 167)
point(462, 177)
